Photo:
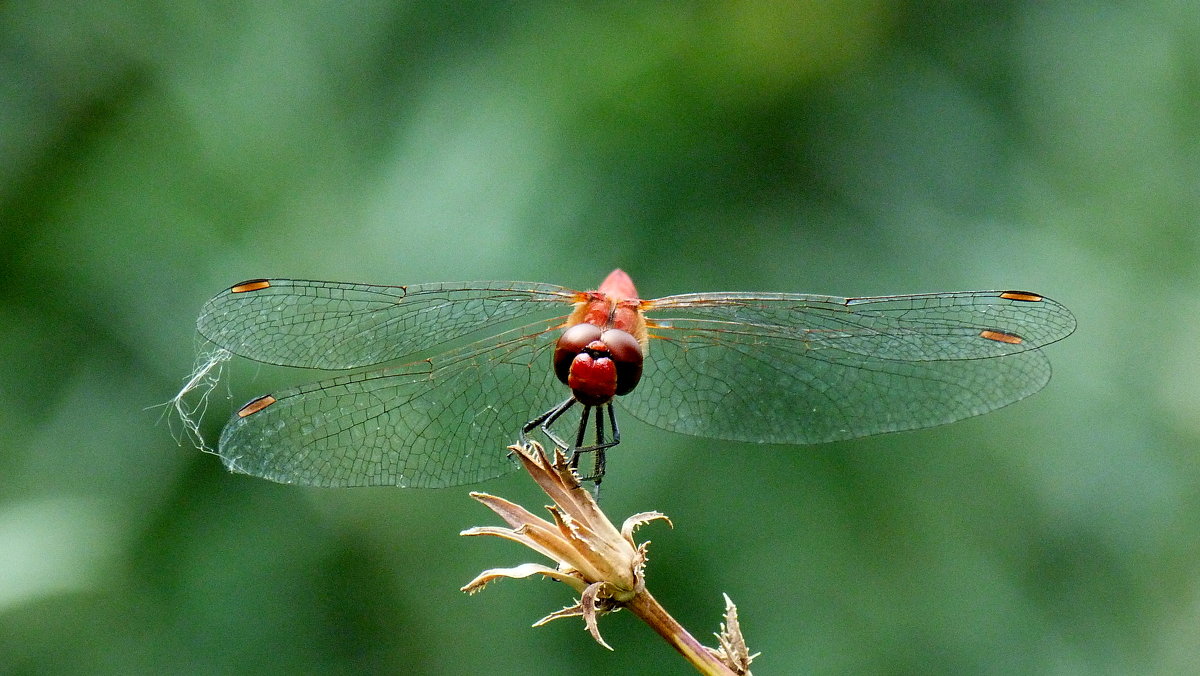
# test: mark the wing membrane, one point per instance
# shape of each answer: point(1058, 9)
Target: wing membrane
point(434, 423)
point(335, 325)
point(921, 327)
point(786, 368)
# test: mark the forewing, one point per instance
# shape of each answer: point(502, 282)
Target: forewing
point(920, 327)
point(440, 422)
point(810, 369)
point(336, 325)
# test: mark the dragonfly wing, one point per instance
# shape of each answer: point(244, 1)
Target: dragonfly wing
point(812, 369)
point(439, 422)
point(335, 325)
point(929, 326)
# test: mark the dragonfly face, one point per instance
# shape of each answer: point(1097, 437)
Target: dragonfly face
point(758, 367)
point(597, 365)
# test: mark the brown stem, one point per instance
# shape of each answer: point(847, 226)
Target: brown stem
point(652, 613)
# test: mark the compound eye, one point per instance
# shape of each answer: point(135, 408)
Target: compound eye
point(626, 352)
point(573, 341)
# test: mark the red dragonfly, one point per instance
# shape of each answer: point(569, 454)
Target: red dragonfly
point(490, 359)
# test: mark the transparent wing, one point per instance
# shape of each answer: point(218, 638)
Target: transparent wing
point(440, 422)
point(784, 368)
point(335, 325)
point(930, 326)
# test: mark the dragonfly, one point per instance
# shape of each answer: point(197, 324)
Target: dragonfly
point(442, 376)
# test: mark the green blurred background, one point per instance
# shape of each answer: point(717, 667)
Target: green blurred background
point(151, 154)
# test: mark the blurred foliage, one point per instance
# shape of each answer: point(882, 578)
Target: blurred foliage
point(154, 153)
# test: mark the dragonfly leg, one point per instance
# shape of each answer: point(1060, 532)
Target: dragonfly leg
point(599, 463)
point(579, 437)
point(544, 421)
point(600, 452)
point(600, 446)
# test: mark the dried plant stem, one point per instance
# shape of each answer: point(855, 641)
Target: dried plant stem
point(601, 562)
point(646, 607)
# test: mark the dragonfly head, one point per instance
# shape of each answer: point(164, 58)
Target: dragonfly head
point(597, 365)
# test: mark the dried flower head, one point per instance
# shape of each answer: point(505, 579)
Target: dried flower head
point(594, 557)
point(731, 644)
point(599, 561)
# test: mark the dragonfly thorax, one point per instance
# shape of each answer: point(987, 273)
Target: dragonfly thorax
point(597, 365)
